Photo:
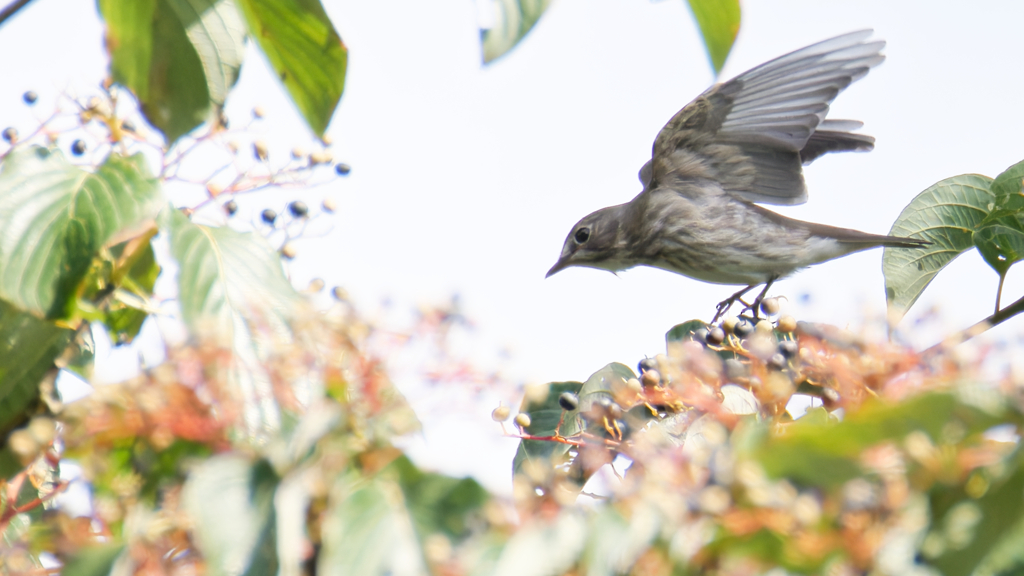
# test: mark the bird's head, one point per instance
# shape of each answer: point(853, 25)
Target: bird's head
point(594, 242)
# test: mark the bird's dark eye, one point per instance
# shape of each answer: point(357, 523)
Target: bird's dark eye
point(582, 235)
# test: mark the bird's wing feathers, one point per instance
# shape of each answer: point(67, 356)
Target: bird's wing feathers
point(755, 131)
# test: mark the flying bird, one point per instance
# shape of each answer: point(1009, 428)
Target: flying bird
point(740, 144)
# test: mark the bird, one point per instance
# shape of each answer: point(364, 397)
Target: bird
point(740, 144)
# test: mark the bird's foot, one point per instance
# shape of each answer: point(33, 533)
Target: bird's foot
point(726, 304)
point(754, 307)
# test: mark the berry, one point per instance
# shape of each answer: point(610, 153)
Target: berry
point(298, 153)
point(788, 348)
point(764, 327)
point(289, 251)
point(329, 205)
point(715, 336)
point(777, 362)
point(742, 328)
point(569, 401)
point(78, 147)
point(647, 364)
point(342, 169)
point(787, 324)
point(339, 294)
point(735, 369)
point(269, 216)
point(500, 414)
point(316, 285)
point(231, 207)
point(770, 306)
point(258, 112)
point(260, 150)
point(522, 420)
point(10, 134)
point(30, 97)
point(650, 378)
point(298, 209)
point(322, 157)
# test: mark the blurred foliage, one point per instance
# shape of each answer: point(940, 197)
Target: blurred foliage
point(265, 441)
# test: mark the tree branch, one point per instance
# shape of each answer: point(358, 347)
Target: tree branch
point(990, 322)
point(11, 9)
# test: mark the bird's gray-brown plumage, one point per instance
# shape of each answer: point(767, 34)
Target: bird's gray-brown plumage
point(737, 144)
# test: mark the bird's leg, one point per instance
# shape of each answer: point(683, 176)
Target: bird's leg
point(724, 305)
point(755, 307)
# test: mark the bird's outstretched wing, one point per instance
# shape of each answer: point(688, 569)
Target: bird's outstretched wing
point(753, 133)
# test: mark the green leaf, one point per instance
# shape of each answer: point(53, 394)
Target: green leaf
point(719, 22)
point(946, 214)
point(438, 503)
point(1000, 239)
point(93, 560)
point(366, 531)
point(546, 414)
point(231, 501)
point(28, 347)
point(56, 217)
point(828, 454)
point(1009, 184)
point(512, 20)
point(226, 276)
point(179, 57)
point(685, 331)
point(304, 50)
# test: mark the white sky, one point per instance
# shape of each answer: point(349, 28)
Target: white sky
point(466, 180)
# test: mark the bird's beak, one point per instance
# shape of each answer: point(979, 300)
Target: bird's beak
point(562, 264)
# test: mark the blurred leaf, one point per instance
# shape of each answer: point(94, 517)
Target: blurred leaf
point(614, 542)
point(133, 279)
point(719, 22)
point(304, 50)
point(828, 454)
point(92, 560)
point(438, 503)
point(1000, 239)
point(542, 547)
point(946, 214)
point(366, 531)
point(179, 57)
point(56, 217)
point(512, 21)
point(28, 347)
point(969, 528)
point(683, 332)
point(1007, 556)
point(80, 355)
point(230, 501)
point(231, 287)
